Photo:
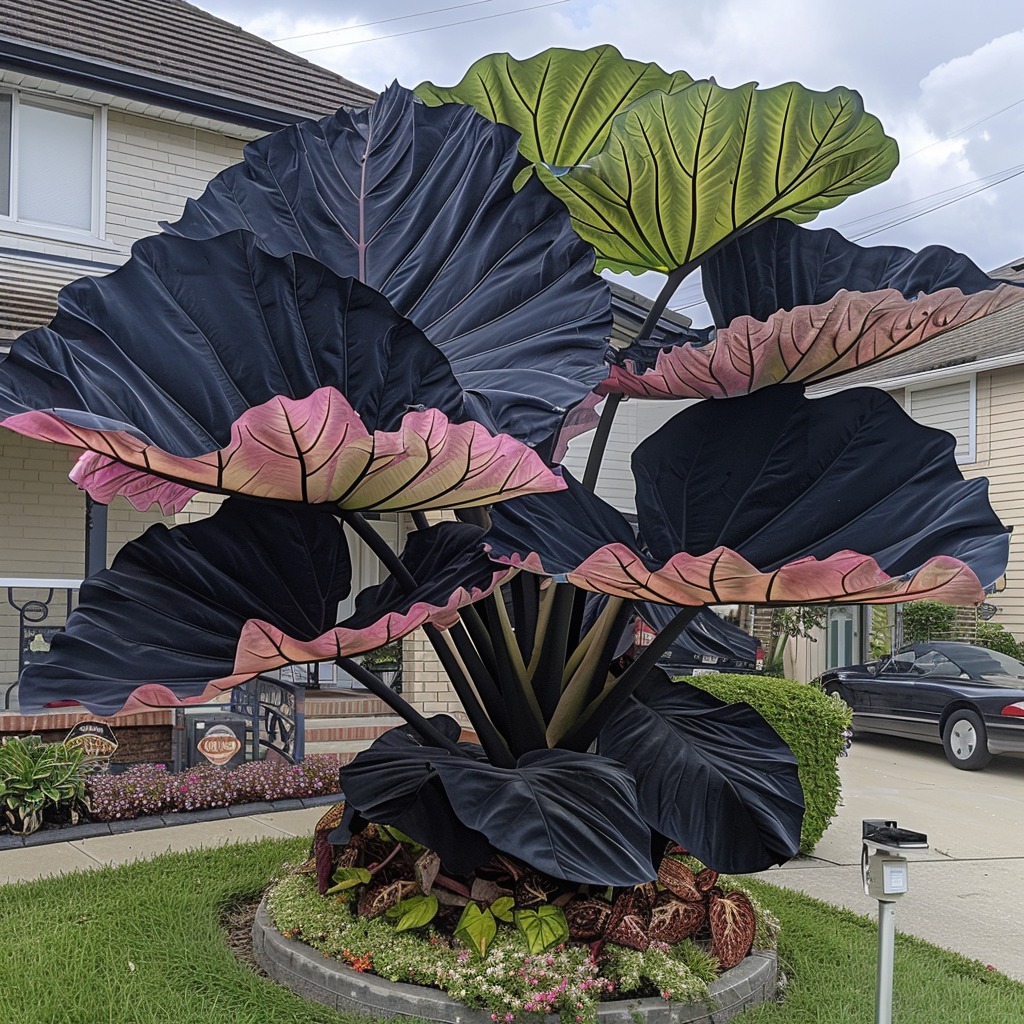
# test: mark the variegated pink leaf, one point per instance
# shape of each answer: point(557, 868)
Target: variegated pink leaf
point(808, 343)
point(724, 577)
point(313, 450)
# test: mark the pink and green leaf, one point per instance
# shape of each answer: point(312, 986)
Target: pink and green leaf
point(314, 450)
point(809, 343)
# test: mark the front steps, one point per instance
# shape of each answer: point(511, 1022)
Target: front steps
point(343, 722)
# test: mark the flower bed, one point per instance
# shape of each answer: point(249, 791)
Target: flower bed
point(152, 789)
point(508, 938)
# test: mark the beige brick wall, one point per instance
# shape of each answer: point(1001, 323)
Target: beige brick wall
point(153, 167)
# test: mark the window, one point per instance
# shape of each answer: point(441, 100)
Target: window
point(949, 407)
point(49, 163)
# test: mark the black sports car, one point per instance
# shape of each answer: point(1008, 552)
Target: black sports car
point(969, 699)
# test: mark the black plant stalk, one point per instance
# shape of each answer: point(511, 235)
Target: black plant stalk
point(381, 690)
point(492, 742)
point(600, 711)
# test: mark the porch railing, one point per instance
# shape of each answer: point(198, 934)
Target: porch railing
point(39, 618)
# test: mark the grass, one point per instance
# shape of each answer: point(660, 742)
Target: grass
point(143, 944)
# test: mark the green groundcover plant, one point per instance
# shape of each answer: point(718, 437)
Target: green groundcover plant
point(41, 782)
point(812, 725)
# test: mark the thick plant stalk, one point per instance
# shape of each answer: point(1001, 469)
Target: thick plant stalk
point(598, 645)
point(617, 691)
point(490, 739)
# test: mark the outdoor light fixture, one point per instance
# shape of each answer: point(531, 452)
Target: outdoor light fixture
point(884, 871)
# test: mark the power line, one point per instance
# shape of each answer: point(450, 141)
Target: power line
point(965, 128)
point(434, 28)
point(385, 21)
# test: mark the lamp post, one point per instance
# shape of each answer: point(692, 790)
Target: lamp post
point(884, 872)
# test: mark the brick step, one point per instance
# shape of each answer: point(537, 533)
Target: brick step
point(354, 728)
point(341, 750)
point(340, 703)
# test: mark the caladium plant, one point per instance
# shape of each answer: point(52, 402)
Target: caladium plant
point(396, 310)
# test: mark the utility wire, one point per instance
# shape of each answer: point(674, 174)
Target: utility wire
point(384, 21)
point(434, 28)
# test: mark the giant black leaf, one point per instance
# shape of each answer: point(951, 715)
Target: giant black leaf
point(178, 343)
point(571, 815)
point(777, 477)
point(715, 778)
point(555, 532)
point(395, 782)
point(418, 202)
point(779, 265)
point(165, 618)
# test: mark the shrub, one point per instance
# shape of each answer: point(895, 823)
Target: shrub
point(927, 620)
point(40, 781)
point(996, 638)
point(152, 789)
point(810, 722)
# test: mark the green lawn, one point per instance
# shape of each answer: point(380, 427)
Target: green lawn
point(142, 944)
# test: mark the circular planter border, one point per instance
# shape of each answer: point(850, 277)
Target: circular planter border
point(312, 975)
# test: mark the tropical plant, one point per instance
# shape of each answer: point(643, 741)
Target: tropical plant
point(392, 310)
point(38, 781)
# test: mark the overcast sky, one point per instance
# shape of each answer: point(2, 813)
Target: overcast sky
point(946, 79)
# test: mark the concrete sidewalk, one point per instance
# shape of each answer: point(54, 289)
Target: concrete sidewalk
point(966, 891)
point(104, 851)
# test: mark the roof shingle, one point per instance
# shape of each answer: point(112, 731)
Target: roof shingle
point(172, 39)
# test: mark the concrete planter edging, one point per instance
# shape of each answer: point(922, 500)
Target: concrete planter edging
point(314, 976)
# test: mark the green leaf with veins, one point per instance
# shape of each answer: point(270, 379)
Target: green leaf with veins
point(681, 173)
point(562, 102)
point(542, 928)
point(476, 928)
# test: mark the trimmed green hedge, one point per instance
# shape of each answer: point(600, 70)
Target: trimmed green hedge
point(811, 722)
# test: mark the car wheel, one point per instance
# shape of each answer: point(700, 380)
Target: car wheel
point(964, 741)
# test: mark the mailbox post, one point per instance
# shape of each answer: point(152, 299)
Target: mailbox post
point(884, 871)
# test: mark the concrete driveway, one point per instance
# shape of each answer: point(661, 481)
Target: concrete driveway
point(967, 891)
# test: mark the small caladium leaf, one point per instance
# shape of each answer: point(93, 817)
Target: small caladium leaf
point(779, 265)
point(561, 102)
point(414, 912)
point(680, 173)
point(452, 570)
point(394, 782)
point(733, 922)
point(542, 928)
point(751, 475)
point(714, 777)
point(163, 622)
point(845, 332)
point(570, 815)
point(476, 928)
point(418, 203)
point(348, 878)
point(503, 909)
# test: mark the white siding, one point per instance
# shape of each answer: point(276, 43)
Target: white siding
point(635, 420)
point(949, 407)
